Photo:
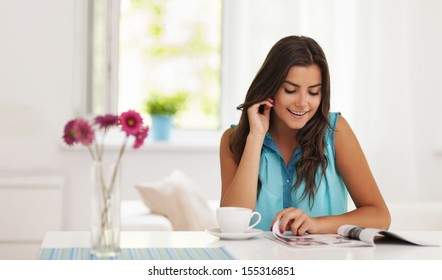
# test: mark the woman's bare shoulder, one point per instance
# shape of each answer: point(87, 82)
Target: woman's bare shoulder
point(346, 142)
point(226, 135)
point(343, 128)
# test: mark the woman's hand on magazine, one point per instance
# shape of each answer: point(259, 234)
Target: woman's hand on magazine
point(297, 221)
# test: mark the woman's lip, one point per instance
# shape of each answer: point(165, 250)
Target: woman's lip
point(297, 116)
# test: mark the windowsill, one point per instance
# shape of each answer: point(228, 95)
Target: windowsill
point(180, 141)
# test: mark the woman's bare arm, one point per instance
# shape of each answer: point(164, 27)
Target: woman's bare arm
point(371, 210)
point(239, 181)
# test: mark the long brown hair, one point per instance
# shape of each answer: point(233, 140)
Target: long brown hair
point(286, 53)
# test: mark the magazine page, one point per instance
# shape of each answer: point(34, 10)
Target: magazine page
point(315, 240)
point(359, 233)
point(371, 234)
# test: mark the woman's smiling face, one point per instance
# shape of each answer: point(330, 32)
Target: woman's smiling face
point(298, 98)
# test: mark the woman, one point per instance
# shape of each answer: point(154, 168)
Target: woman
point(292, 160)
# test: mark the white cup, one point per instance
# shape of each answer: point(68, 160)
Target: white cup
point(235, 219)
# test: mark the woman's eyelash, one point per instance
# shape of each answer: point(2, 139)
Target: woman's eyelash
point(290, 91)
point(293, 91)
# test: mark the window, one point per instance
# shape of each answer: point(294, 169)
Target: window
point(140, 47)
point(248, 32)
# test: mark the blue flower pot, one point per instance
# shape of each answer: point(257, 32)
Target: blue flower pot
point(161, 126)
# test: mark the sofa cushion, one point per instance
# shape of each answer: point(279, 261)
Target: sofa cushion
point(136, 216)
point(178, 198)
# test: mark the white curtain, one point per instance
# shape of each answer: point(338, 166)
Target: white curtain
point(383, 57)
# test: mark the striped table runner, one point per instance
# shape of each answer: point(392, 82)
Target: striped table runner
point(216, 253)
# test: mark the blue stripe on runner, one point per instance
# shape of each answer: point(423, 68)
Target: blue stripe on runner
point(215, 253)
point(174, 254)
point(210, 253)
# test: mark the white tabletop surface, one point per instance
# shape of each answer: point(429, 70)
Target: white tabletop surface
point(258, 247)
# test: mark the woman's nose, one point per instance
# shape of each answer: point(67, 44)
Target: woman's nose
point(301, 99)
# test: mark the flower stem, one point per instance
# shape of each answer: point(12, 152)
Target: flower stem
point(105, 239)
point(91, 152)
point(117, 165)
point(106, 191)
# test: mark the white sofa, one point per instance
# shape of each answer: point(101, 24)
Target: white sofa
point(405, 216)
point(136, 216)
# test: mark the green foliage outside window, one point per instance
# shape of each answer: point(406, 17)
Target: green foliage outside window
point(178, 47)
point(166, 105)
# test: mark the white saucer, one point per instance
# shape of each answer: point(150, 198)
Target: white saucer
point(234, 236)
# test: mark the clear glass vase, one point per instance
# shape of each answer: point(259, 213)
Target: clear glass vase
point(105, 209)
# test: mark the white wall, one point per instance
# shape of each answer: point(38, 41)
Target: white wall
point(397, 112)
point(399, 129)
point(36, 81)
point(426, 44)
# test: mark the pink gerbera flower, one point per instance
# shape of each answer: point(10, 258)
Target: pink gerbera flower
point(83, 132)
point(106, 121)
point(140, 137)
point(131, 122)
point(69, 135)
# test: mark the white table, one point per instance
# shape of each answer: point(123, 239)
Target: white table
point(260, 247)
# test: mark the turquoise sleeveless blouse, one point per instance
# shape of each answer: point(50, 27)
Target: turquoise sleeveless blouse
point(277, 181)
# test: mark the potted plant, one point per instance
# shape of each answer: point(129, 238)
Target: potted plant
point(162, 108)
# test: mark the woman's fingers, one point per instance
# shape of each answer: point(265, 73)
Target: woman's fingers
point(268, 103)
point(300, 224)
point(259, 121)
point(293, 219)
point(267, 107)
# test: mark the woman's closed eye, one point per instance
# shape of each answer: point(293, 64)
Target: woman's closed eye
point(314, 93)
point(289, 91)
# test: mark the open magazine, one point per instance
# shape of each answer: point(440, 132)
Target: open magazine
point(348, 236)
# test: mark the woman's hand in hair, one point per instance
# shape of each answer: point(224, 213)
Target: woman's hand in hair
point(297, 221)
point(259, 117)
